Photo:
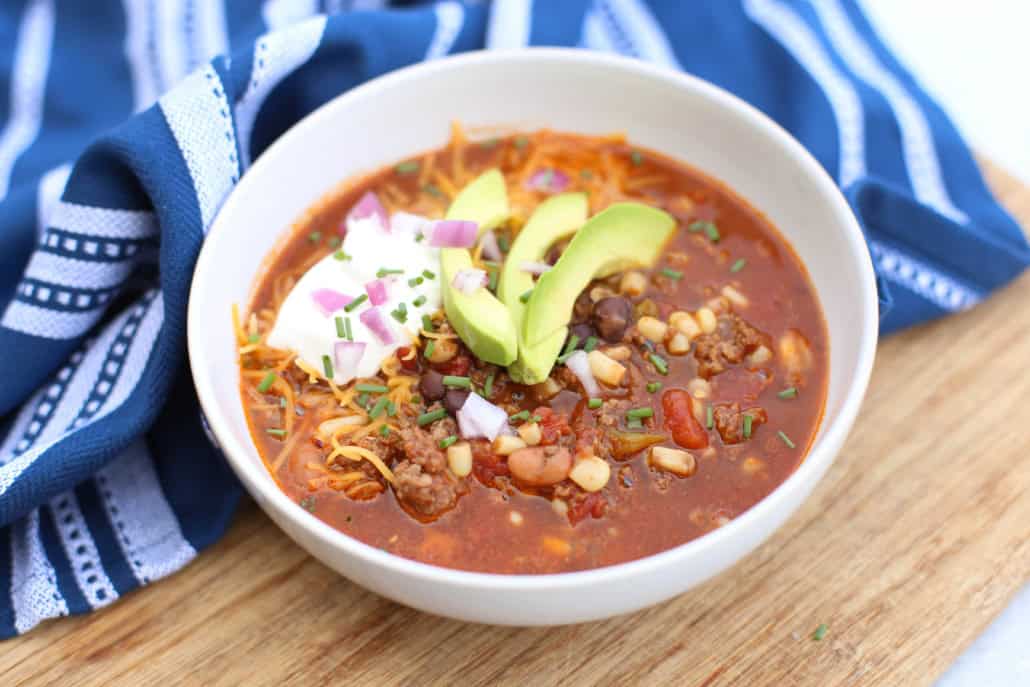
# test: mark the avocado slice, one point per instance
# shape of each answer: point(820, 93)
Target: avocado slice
point(481, 320)
point(553, 219)
point(624, 235)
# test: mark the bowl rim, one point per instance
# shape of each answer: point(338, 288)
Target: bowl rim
point(820, 456)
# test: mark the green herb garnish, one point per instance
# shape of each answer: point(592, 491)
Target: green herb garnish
point(457, 381)
point(789, 392)
point(419, 302)
point(254, 338)
point(341, 255)
point(503, 243)
point(415, 281)
point(634, 423)
point(672, 274)
point(430, 417)
point(308, 503)
point(384, 431)
point(447, 441)
point(432, 190)
point(820, 632)
point(738, 265)
point(524, 298)
point(659, 363)
point(430, 347)
point(521, 142)
point(350, 334)
point(594, 403)
point(354, 304)
point(636, 158)
point(372, 388)
point(391, 408)
point(488, 386)
point(747, 426)
point(266, 382)
point(427, 323)
point(712, 232)
point(492, 278)
point(590, 344)
point(428, 275)
point(654, 386)
point(639, 413)
point(399, 315)
point(786, 439)
point(334, 242)
point(385, 271)
point(315, 236)
point(276, 432)
point(379, 407)
point(709, 417)
point(522, 415)
point(407, 167)
point(571, 344)
point(341, 329)
point(327, 366)
point(363, 399)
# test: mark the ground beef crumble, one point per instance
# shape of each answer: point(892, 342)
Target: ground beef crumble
point(732, 341)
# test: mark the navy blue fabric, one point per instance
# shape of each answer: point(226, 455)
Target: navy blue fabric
point(122, 130)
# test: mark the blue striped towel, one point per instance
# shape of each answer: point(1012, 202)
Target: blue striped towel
point(124, 124)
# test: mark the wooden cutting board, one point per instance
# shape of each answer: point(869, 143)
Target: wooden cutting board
point(918, 536)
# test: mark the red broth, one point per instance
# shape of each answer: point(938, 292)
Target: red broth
point(766, 358)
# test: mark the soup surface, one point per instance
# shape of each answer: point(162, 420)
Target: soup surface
point(684, 391)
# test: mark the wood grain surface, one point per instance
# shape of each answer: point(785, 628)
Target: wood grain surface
point(915, 540)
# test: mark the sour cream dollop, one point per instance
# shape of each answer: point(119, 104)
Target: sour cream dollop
point(368, 251)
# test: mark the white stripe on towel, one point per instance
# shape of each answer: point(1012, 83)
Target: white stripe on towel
point(34, 592)
point(28, 86)
point(784, 25)
point(81, 550)
point(450, 16)
point(510, 24)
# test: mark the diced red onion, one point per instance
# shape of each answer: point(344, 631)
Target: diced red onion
point(580, 366)
point(329, 301)
point(551, 180)
point(534, 267)
point(376, 290)
point(453, 233)
point(468, 281)
point(478, 417)
point(373, 319)
point(408, 224)
point(346, 356)
point(369, 206)
point(491, 251)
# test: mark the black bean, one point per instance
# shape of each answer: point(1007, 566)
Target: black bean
point(454, 399)
point(611, 317)
point(431, 385)
point(583, 331)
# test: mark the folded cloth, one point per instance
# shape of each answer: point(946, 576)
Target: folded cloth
point(122, 130)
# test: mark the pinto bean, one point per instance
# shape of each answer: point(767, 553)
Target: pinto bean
point(431, 385)
point(540, 466)
point(680, 420)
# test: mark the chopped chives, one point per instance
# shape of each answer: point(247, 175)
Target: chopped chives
point(521, 142)
point(334, 242)
point(353, 305)
point(386, 271)
point(399, 315)
point(488, 386)
point(379, 407)
point(350, 333)
point(570, 346)
point(521, 415)
point(634, 423)
point(590, 344)
point(535, 418)
point(407, 167)
point(785, 438)
point(639, 413)
point(277, 432)
point(254, 338)
point(341, 330)
point(738, 265)
point(415, 281)
point(391, 408)
point(432, 190)
point(419, 302)
point(524, 298)
point(672, 274)
point(747, 426)
point(503, 244)
point(594, 403)
point(416, 399)
point(282, 401)
point(820, 632)
point(709, 417)
point(697, 226)
point(712, 232)
point(636, 158)
point(341, 255)
point(266, 382)
point(428, 275)
point(430, 347)
point(561, 359)
point(659, 363)
point(363, 400)
point(372, 388)
point(315, 236)
point(654, 386)
point(492, 276)
point(649, 346)
point(427, 323)
point(457, 381)
point(420, 237)
point(384, 431)
point(789, 392)
point(447, 441)
point(327, 366)
point(432, 416)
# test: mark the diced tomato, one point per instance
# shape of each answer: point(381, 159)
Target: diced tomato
point(459, 366)
point(593, 505)
point(409, 365)
point(680, 421)
point(737, 384)
point(487, 465)
point(552, 425)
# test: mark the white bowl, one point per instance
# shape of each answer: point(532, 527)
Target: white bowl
point(410, 111)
